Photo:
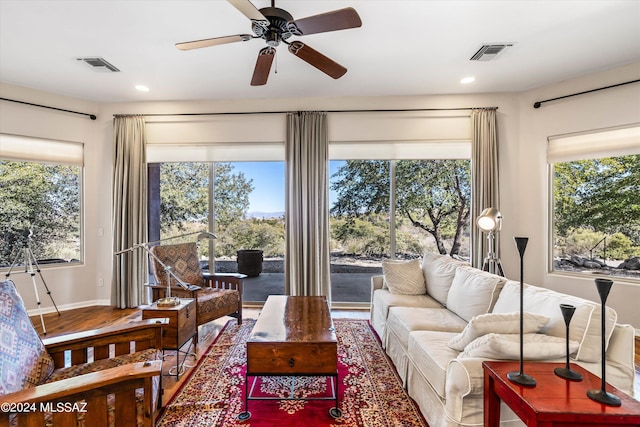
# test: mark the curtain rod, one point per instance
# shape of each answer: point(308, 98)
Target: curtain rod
point(91, 116)
point(538, 104)
point(328, 111)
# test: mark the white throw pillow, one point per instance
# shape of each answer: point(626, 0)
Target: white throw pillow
point(499, 323)
point(507, 347)
point(473, 292)
point(585, 323)
point(404, 277)
point(438, 274)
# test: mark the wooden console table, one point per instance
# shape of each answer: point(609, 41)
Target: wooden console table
point(554, 400)
point(293, 336)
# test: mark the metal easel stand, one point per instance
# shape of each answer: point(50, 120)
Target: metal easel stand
point(29, 263)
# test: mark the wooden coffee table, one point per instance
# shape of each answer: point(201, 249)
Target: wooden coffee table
point(294, 336)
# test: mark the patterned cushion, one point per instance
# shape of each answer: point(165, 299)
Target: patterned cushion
point(183, 260)
point(211, 299)
point(102, 364)
point(24, 361)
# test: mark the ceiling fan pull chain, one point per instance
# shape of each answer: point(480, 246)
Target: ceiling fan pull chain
point(275, 56)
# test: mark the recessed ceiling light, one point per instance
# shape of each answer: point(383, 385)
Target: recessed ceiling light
point(467, 80)
point(142, 88)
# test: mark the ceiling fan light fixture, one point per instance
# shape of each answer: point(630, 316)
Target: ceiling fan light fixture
point(275, 26)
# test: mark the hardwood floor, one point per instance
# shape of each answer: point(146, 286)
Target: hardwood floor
point(95, 317)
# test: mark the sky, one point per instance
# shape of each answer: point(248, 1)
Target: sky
point(268, 183)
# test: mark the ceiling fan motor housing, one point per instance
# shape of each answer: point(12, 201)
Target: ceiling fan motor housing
point(277, 29)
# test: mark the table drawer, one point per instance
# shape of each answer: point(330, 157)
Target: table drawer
point(292, 358)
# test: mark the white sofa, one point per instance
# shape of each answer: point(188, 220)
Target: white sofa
point(440, 318)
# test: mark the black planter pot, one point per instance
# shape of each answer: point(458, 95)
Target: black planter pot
point(250, 262)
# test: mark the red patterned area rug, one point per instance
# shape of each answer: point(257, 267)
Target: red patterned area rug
point(370, 392)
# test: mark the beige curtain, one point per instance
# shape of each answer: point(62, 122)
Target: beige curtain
point(130, 269)
point(307, 269)
point(485, 191)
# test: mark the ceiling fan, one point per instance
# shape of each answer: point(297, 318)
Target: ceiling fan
point(275, 25)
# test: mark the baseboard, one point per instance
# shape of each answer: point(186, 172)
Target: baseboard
point(65, 307)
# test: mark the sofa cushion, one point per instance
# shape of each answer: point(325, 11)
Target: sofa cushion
point(403, 320)
point(430, 355)
point(383, 300)
point(585, 323)
point(473, 292)
point(507, 347)
point(499, 323)
point(404, 277)
point(438, 274)
point(24, 361)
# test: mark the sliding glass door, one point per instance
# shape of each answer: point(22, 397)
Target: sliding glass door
point(393, 209)
point(241, 202)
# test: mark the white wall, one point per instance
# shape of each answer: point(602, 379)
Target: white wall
point(522, 133)
point(528, 203)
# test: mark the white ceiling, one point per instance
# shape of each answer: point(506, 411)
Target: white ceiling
point(403, 47)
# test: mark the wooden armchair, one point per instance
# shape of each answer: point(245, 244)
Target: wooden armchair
point(107, 376)
point(216, 295)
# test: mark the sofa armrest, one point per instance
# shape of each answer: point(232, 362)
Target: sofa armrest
point(464, 382)
point(620, 358)
point(87, 394)
point(143, 334)
point(377, 282)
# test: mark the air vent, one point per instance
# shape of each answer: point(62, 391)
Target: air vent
point(490, 51)
point(99, 64)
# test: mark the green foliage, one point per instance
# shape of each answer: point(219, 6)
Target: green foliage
point(184, 194)
point(578, 241)
point(621, 247)
point(601, 194)
point(253, 233)
point(368, 235)
point(433, 195)
point(45, 199)
point(586, 242)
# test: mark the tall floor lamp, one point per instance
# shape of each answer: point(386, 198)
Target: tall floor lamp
point(490, 221)
point(168, 300)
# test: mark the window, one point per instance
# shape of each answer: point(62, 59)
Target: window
point(431, 205)
point(595, 190)
point(242, 202)
point(40, 189)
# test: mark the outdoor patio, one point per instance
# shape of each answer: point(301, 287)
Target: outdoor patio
point(345, 287)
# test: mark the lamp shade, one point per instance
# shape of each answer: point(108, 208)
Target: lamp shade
point(490, 219)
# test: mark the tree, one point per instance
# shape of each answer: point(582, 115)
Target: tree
point(184, 195)
point(434, 195)
point(601, 194)
point(44, 199)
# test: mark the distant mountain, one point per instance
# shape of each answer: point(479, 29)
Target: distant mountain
point(265, 215)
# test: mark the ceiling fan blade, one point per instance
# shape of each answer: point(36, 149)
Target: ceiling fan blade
point(250, 11)
point(318, 60)
point(197, 44)
point(263, 66)
point(341, 19)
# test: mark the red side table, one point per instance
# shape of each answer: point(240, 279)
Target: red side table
point(554, 400)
